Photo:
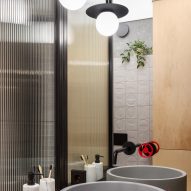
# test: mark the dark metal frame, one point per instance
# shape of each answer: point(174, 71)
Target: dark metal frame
point(110, 55)
point(61, 86)
point(61, 90)
point(111, 136)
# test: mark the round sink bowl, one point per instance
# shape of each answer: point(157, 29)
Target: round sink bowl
point(112, 186)
point(169, 179)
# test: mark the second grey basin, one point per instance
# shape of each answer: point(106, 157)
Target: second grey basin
point(112, 186)
point(169, 179)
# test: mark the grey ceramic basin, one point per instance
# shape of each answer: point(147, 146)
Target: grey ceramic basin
point(169, 179)
point(112, 186)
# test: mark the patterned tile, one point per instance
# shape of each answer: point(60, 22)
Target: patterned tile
point(143, 74)
point(151, 87)
point(125, 160)
point(143, 124)
point(131, 112)
point(143, 136)
point(143, 112)
point(151, 99)
point(119, 75)
point(131, 87)
point(131, 124)
point(151, 112)
point(131, 99)
point(118, 85)
point(143, 87)
point(119, 100)
point(119, 125)
point(149, 61)
point(151, 74)
point(119, 113)
point(131, 75)
point(132, 136)
point(143, 99)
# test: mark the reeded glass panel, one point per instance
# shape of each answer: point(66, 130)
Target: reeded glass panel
point(87, 88)
point(26, 89)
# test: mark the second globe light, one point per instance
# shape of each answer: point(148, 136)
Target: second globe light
point(107, 23)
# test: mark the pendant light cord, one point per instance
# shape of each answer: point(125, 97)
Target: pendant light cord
point(108, 1)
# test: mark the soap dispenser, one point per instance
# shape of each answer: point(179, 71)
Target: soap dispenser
point(99, 167)
point(31, 185)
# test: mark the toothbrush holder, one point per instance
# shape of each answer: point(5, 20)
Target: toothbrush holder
point(90, 173)
point(47, 184)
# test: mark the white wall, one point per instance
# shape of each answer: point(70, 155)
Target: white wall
point(133, 92)
point(138, 9)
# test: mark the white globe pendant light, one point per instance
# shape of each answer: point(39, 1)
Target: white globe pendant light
point(107, 17)
point(107, 23)
point(73, 4)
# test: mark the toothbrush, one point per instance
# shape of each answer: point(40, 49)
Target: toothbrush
point(83, 158)
point(50, 172)
point(40, 170)
point(86, 158)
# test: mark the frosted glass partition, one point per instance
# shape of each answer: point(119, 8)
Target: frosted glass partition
point(87, 89)
point(26, 89)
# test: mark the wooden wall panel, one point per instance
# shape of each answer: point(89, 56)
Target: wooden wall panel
point(175, 159)
point(172, 83)
point(172, 73)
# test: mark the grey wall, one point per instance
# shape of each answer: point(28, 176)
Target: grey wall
point(141, 29)
point(133, 92)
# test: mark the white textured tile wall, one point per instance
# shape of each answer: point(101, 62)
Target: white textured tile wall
point(133, 91)
point(133, 105)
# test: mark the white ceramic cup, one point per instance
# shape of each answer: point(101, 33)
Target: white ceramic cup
point(47, 184)
point(90, 173)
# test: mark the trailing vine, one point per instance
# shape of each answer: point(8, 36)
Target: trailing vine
point(139, 49)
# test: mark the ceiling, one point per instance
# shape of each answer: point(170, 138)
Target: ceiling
point(138, 9)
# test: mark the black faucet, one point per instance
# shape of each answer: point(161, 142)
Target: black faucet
point(128, 148)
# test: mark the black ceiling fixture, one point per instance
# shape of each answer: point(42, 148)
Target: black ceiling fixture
point(107, 16)
point(117, 9)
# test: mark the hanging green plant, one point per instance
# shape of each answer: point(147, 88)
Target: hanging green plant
point(139, 49)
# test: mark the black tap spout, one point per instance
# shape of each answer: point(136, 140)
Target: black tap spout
point(115, 154)
point(128, 148)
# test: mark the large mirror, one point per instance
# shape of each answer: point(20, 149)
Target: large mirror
point(152, 102)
